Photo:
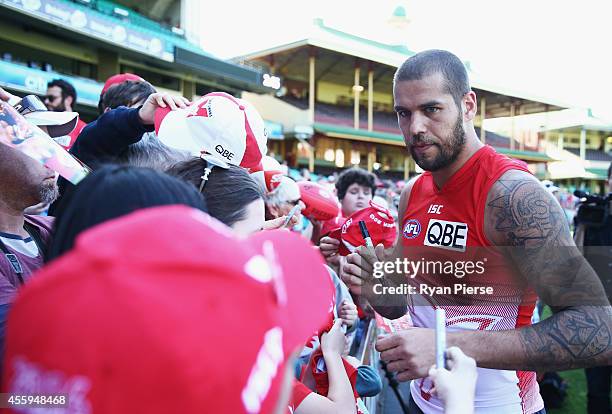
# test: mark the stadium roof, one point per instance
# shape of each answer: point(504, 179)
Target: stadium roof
point(332, 39)
point(342, 42)
point(558, 120)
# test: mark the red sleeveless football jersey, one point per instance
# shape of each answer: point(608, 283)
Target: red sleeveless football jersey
point(443, 229)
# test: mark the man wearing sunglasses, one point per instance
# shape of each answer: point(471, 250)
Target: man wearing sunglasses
point(61, 97)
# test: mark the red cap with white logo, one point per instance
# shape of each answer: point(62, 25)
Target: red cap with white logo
point(166, 311)
point(268, 174)
point(218, 124)
point(380, 224)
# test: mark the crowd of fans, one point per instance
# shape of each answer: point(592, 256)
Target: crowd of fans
point(101, 259)
point(191, 276)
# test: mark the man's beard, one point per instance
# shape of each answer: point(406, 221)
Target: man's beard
point(48, 192)
point(60, 108)
point(448, 150)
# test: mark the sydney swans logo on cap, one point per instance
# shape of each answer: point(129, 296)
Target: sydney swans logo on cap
point(265, 268)
point(202, 109)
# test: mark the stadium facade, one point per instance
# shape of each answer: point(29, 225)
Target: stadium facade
point(336, 110)
point(326, 98)
point(86, 41)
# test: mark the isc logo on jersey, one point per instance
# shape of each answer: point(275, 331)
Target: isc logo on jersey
point(446, 235)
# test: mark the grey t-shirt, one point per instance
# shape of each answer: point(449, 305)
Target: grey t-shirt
point(28, 255)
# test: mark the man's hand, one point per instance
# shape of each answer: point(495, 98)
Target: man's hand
point(410, 353)
point(159, 100)
point(348, 313)
point(456, 387)
point(359, 267)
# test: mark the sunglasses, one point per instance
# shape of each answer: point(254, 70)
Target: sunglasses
point(51, 98)
point(294, 202)
point(29, 104)
point(211, 162)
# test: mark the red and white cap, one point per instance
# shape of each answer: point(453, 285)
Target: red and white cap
point(120, 78)
point(380, 224)
point(269, 174)
point(57, 123)
point(166, 311)
point(219, 124)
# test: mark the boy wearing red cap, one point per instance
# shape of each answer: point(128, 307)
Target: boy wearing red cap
point(125, 89)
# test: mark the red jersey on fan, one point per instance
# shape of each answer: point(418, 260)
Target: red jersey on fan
point(448, 222)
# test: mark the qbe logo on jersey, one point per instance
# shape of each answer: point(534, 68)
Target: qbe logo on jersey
point(446, 235)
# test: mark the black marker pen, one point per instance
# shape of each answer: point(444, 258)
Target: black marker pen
point(365, 234)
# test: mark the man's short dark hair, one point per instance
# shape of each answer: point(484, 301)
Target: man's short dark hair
point(66, 87)
point(125, 94)
point(430, 62)
point(352, 176)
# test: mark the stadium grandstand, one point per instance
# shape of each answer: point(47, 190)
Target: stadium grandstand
point(335, 108)
point(86, 41)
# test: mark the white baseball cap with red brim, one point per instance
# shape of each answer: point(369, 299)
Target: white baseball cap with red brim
point(58, 124)
point(219, 124)
point(35, 112)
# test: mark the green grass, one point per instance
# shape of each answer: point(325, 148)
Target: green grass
point(575, 401)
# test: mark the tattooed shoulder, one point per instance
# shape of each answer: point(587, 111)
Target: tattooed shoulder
point(529, 226)
point(520, 212)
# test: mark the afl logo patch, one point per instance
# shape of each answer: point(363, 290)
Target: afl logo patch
point(412, 229)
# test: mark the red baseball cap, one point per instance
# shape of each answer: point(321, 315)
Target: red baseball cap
point(380, 224)
point(166, 310)
point(120, 78)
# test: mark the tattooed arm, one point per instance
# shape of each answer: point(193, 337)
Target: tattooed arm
point(528, 222)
